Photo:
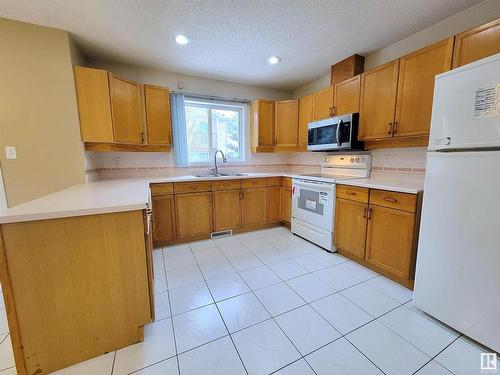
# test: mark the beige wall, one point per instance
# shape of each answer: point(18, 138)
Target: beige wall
point(192, 84)
point(38, 112)
point(478, 14)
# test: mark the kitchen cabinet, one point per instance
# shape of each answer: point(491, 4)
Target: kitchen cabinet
point(193, 214)
point(416, 87)
point(274, 204)
point(477, 43)
point(262, 125)
point(323, 103)
point(157, 106)
point(379, 229)
point(286, 123)
point(163, 218)
point(286, 200)
point(126, 110)
point(346, 98)
point(254, 206)
point(347, 68)
point(92, 91)
point(227, 207)
point(378, 101)
point(305, 117)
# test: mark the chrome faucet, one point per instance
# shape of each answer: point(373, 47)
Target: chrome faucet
point(216, 168)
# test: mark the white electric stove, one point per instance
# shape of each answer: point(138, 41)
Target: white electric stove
point(313, 197)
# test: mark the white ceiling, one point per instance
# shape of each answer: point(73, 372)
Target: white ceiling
point(231, 39)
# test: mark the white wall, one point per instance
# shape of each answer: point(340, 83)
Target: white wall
point(476, 15)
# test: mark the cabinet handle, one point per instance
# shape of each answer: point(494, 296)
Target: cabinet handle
point(350, 192)
point(369, 213)
point(389, 199)
point(390, 128)
point(364, 212)
point(334, 110)
point(395, 128)
point(241, 194)
point(142, 136)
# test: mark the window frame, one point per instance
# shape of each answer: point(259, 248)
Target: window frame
point(219, 104)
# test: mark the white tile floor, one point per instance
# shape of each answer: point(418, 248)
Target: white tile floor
point(270, 302)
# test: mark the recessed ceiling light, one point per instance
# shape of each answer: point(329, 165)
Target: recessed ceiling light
point(274, 60)
point(181, 39)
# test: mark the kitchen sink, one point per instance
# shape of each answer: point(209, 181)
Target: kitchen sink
point(230, 174)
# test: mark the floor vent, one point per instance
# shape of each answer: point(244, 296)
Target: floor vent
point(222, 233)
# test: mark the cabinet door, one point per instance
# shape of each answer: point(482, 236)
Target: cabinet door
point(227, 209)
point(193, 214)
point(157, 101)
point(477, 43)
point(350, 227)
point(149, 263)
point(163, 218)
point(274, 204)
point(416, 87)
point(389, 243)
point(262, 123)
point(347, 96)
point(94, 104)
point(305, 117)
point(286, 205)
point(254, 206)
point(323, 103)
point(286, 123)
point(378, 101)
point(126, 110)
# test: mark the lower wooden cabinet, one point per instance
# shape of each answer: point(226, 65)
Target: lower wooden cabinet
point(227, 209)
point(193, 214)
point(350, 227)
point(274, 204)
point(379, 229)
point(286, 206)
point(254, 206)
point(390, 240)
point(163, 218)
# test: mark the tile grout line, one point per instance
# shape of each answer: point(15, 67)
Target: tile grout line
point(218, 310)
point(433, 358)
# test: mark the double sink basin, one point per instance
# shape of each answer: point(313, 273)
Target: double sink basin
point(225, 174)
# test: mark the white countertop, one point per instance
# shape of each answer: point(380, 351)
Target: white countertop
point(133, 194)
point(400, 183)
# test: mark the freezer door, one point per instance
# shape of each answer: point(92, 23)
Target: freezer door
point(458, 261)
point(466, 107)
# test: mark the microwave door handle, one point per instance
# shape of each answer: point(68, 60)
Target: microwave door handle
point(339, 133)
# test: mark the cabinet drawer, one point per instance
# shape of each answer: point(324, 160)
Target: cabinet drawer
point(391, 199)
point(226, 185)
point(274, 181)
point(161, 189)
point(254, 182)
point(353, 193)
point(287, 182)
point(190, 187)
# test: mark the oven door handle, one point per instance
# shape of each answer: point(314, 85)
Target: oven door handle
point(319, 186)
point(339, 133)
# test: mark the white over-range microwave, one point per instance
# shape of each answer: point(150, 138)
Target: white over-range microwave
point(335, 133)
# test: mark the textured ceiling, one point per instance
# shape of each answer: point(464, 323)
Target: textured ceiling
point(231, 39)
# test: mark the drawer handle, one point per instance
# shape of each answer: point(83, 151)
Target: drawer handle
point(389, 199)
point(350, 192)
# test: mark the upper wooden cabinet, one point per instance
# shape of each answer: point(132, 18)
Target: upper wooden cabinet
point(305, 117)
point(346, 98)
point(347, 68)
point(323, 103)
point(126, 110)
point(378, 101)
point(416, 87)
point(157, 105)
point(286, 123)
point(262, 125)
point(477, 43)
point(92, 91)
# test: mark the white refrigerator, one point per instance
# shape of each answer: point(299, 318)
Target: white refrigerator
point(458, 263)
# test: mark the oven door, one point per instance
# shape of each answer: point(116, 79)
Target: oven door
point(313, 202)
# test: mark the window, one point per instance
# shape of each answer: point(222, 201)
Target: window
point(212, 125)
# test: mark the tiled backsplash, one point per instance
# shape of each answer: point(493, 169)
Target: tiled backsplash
point(110, 165)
